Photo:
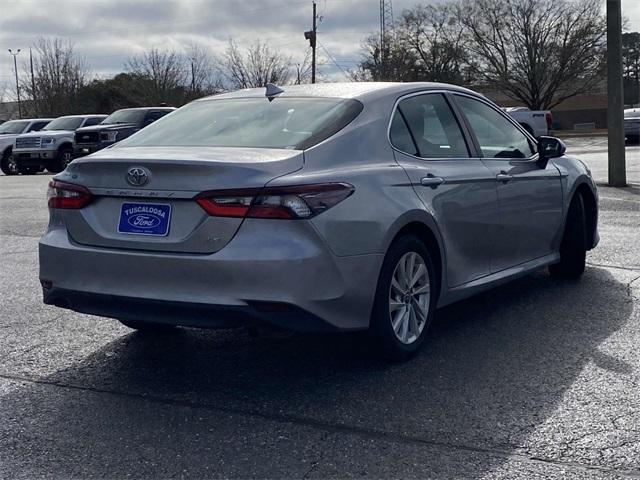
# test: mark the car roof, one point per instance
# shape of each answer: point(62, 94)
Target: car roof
point(84, 115)
point(147, 108)
point(371, 90)
point(30, 119)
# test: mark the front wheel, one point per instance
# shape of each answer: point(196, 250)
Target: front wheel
point(405, 299)
point(573, 249)
point(64, 158)
point(8, 163)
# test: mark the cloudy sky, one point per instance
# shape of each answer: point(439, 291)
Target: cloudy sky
point(107, 32)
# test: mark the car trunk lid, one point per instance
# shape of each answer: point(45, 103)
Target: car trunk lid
point(120, 212)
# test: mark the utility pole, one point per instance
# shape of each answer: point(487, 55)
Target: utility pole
point(311, 36)
point(33, 85)
point(15, 67)
point(615, 87)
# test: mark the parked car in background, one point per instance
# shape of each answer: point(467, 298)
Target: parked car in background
point(8, 132)
point(117, 126)
point(51, 147)
point(632, 124)
point(538, 123)
point(327, 207)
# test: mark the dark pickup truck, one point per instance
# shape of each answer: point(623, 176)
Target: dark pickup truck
point(117, 126)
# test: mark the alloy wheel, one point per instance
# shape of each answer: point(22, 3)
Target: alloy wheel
point(409, 297)
point(67, 158)
point(12, 165)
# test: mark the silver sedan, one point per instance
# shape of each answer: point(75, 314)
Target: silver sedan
point(332, 207)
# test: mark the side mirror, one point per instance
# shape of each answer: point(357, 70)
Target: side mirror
point(551, 147)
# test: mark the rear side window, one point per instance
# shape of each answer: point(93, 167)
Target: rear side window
point(497, 136)
point(153, 116)
point(93, 121)
point(285, 122)
point(35, 126)
point(433, 128)
point(401, 137)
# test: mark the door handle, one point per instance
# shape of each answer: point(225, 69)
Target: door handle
point(431, 181)
point(504, 177)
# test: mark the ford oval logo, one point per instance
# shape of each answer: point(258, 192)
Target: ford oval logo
point(144, 220)
point(137, 176)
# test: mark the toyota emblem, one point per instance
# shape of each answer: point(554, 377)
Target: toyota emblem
point(137, 176)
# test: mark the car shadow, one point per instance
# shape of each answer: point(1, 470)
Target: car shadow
point(494, 369)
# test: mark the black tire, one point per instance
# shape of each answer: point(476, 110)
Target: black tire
point(147, 326)
point(573, 249)
point(28, 170)
point(64, 158)
point(8, 164)
point(381, 330)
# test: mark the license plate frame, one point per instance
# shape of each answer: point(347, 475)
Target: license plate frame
point(148, 219)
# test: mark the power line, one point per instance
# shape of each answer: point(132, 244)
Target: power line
point(334, 61)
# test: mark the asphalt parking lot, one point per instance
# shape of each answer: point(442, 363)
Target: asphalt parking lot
point(537, 379)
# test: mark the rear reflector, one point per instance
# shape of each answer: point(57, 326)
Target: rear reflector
point(295, 202)
point(67, 195)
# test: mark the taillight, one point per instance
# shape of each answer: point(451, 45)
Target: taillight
point(296, 202)
point(67, 195)
point(549, 118)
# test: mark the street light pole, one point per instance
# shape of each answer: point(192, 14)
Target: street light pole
point(15, 67)
point(615, 87)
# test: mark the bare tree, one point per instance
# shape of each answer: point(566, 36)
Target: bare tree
point(257, 66)
point(540, 52)
point(427, 44)
point(163, 73)
point(59, 73)
point(438, 39)
point(203, 75)
point(397, 63)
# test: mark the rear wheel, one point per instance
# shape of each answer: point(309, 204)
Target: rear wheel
point(405, 299)
point(573, 249)
point(64, 158)
point(8, 163)
point(147, 326)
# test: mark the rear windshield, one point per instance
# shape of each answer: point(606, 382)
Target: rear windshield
point(294, 123)
point(632, 114)
point(64, 123)
point(14, 126)
point(125, 116)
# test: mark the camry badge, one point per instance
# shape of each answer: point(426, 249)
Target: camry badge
point(137, 176)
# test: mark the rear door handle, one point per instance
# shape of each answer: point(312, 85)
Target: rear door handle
point(504, 177)
point(431, 181)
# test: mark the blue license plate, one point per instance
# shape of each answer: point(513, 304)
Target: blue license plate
point(145, 219)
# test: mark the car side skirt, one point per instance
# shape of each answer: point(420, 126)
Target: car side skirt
point(495, 279)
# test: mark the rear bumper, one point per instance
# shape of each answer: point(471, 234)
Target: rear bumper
point(199, 315)
point(270, 272)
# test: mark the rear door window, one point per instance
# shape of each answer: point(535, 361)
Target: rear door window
point(433, 128)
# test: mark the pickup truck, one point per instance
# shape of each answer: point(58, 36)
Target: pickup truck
point(51, 147)
point(8, 132)
point(117, 126)
point(537, 123)
point(632, 124)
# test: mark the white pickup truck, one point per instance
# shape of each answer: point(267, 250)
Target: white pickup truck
point(538, 123)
